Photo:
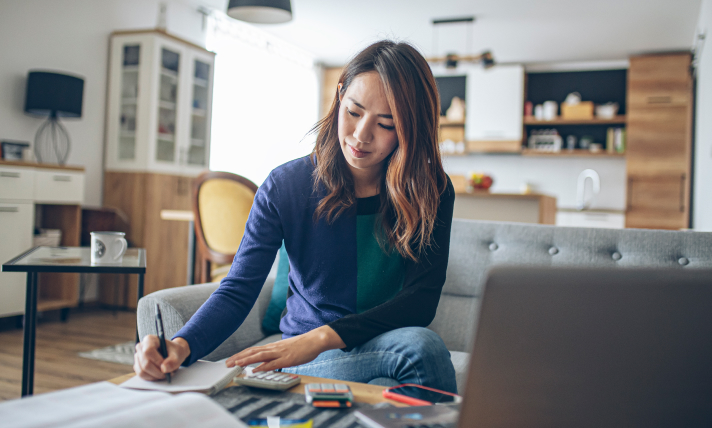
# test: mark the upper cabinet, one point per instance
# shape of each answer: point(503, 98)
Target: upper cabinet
point(660, 80)
point(495, 101)
point(160, 99)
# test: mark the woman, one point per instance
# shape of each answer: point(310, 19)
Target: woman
point(366, 222)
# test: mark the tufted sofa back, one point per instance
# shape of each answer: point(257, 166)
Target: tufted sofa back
point(476, 246)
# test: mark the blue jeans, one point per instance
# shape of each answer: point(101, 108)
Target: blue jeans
point(408, 355)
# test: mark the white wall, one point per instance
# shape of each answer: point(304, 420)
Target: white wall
point(702, 194)
point(73, 36)
point(553, 176)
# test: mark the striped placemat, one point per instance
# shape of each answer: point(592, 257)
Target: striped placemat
point(251, 403)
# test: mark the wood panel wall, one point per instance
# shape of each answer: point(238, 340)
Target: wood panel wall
point(142, 196)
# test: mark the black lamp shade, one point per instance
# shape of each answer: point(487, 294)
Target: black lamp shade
point(260, 11)
point(54, 94)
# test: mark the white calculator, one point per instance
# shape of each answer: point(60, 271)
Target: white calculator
point(268, 380)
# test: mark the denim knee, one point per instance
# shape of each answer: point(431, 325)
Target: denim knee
point(422, 343)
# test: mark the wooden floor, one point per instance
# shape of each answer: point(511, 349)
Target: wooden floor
point(57, 365)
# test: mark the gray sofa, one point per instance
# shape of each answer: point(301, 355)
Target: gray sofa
point(475, 247)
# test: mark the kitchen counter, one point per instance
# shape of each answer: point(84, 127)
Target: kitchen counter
point(516, 207)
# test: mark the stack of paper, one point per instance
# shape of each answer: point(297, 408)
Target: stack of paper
point(106, 405)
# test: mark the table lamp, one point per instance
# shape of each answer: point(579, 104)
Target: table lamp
point(53, 95)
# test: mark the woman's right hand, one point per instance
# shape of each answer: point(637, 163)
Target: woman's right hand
point(148, 362)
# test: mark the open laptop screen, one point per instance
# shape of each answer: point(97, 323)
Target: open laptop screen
point(592, 348)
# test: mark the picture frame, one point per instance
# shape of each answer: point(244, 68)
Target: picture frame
point(13, 150)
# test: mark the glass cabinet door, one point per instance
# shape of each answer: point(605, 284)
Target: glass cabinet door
point(129, 99)
point(167, 101)
point(199, 114)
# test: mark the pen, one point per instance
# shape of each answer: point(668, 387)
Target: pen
point(161, 337)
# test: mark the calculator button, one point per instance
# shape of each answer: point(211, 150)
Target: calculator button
point(262, 375)
point(271, 376)
point(327, 387)
point(286, 379)
point(314, 387)
point(293, 376)
point(280, 377)
point(340, 387)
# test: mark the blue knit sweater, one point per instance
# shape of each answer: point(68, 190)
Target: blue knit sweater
point(324, 269)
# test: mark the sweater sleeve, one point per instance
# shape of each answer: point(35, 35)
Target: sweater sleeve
point(229, 305)
point(416, 303)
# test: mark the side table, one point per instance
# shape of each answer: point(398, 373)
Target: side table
point(61, 259)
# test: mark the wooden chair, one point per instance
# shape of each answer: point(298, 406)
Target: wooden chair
point(221, 205)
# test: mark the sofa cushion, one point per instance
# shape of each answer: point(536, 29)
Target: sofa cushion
point(278, 300)
point(460, 360)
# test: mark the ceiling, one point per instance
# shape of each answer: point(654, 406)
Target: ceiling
point(523, 31)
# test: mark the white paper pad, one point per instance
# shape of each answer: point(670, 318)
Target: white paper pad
point(106, 405)
point(202, 376)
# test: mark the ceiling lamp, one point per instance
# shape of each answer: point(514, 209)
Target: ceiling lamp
point(260, 11)
point(452, 59)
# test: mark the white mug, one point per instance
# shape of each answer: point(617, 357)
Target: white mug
point(107, 247)
point(550, 110)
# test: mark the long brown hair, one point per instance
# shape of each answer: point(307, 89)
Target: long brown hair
point(414, 175)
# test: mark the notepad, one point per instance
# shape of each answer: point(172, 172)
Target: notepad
point(108, 406)
point(202, 376)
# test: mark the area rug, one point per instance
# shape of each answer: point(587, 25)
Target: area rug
point(123, 353)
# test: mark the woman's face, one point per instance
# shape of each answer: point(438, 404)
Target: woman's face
point(367, 132)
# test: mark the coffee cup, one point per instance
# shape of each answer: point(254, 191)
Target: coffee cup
point(107, 247)
point(550, 110)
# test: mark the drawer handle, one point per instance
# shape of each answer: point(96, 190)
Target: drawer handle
point(9, 209)
point(682, 193)
point(62, 178)
point(10, 174)
point(659, 100)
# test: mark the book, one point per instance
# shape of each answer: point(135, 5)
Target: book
point(105, 405)
point(202, 376)
point(403, 417)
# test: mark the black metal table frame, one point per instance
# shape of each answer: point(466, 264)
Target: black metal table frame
point(28, 351)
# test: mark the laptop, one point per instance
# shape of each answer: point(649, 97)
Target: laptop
point(586, 347)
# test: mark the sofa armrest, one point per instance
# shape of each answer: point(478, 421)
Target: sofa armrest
point(180, 303)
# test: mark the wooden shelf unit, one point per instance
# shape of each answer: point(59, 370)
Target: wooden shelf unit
point(618, 120)
point(444, 121)
point(539, 153)
point(572, 153)
point(60, 290)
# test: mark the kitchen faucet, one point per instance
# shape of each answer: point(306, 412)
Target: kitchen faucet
point(581, 203)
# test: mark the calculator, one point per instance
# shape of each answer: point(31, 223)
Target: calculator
point(268, 380)
point(328, 395)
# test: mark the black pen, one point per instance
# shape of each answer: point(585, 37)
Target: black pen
point(162, 337)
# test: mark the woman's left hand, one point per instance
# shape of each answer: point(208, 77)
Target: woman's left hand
point(289, 352)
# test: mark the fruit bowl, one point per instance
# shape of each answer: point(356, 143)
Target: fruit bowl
point(480, 182)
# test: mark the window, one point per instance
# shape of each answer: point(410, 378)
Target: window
point(265, 100)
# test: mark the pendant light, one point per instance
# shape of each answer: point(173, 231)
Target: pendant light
point(260, 11)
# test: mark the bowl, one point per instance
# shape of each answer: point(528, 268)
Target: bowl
point(607, 111)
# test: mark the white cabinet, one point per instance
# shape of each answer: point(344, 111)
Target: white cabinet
point(595, 219)
point(495, 103)
point(16, 221)
point(37, 195)
point(159, 106)
point(16, 183)
point(60, 187)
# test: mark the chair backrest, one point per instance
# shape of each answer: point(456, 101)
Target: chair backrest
point(221, 205)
